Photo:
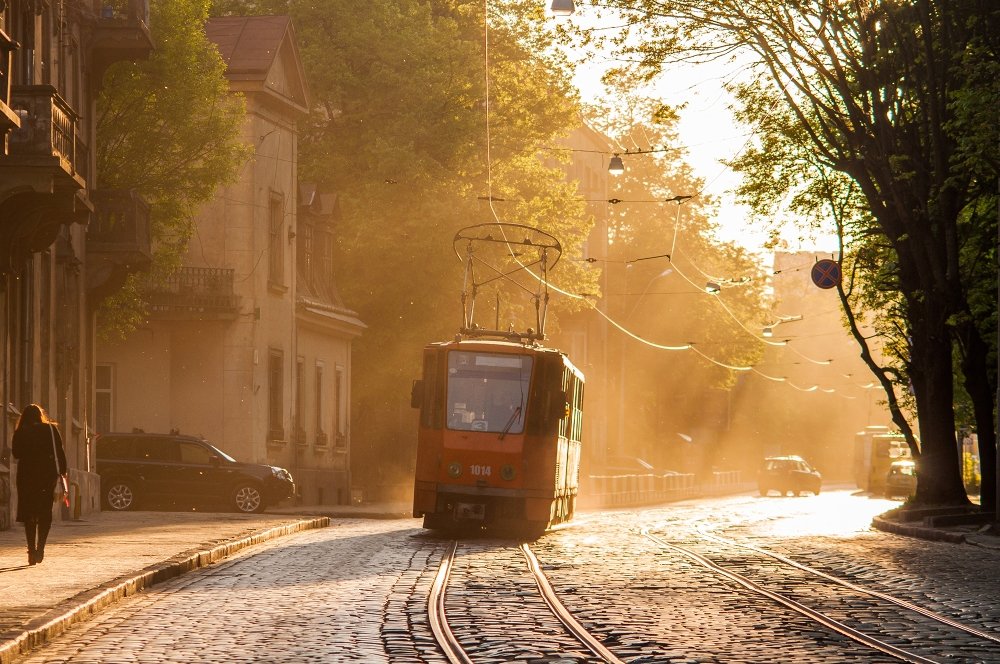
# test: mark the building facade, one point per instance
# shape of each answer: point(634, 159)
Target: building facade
point(586, 336)
point(248, 344)
point(53, 56)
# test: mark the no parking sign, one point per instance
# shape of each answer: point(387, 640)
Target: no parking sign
point(826, 273)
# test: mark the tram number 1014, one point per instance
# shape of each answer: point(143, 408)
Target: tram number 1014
point(481, 471)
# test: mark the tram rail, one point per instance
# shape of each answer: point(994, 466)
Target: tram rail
point(877, 642)
point(452, 647)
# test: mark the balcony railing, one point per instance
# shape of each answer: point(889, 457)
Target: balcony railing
point(120, 226)
point(8, 119)
point(48, 128)
point(128, 12)
point(120, 31)
point(196, 292)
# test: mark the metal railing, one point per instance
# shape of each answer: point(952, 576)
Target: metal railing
point(121, 222)
point(130, 12)
point(622, 490)
point(48, 125)
point(195, 290)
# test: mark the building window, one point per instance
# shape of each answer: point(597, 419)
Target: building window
point(339, 422)
point(275, 245)
point(275, 387)
point(320, 429)
point(104, 380)
point(325, 251)
point(300, 397)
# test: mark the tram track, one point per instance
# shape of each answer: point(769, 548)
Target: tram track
point(878, 641)
point(452, 646)
point(910, 606)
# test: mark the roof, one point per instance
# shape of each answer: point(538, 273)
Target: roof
point(260, 50)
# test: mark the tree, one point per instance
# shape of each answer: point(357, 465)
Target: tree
point(169, 128)
point(662, 251)
point(399, 130)
point(875, 87)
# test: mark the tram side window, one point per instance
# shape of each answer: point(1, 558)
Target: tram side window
point(572, 426)
point(430, 399)
point(488, 391)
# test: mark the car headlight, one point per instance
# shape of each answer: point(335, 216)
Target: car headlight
point(281, 473)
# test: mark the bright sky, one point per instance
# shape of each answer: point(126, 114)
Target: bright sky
point(709, 131)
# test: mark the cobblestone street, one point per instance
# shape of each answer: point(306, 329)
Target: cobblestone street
point(358, 591)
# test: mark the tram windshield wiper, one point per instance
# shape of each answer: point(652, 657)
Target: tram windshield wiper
point(513, 418)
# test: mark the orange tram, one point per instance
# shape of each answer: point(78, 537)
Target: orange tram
point(498, 445)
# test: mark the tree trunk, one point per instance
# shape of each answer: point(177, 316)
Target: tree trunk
point(939, 474)
point(977, 384)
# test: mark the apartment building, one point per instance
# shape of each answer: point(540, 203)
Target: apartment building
point(53, 56)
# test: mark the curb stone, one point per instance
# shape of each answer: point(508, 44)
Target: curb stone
point(920, 532)
point(19, 641)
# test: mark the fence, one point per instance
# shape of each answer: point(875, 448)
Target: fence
point(624, 490)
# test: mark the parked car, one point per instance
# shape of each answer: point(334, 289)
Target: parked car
point(901, 480)
point(139, 468)
point(788, 474)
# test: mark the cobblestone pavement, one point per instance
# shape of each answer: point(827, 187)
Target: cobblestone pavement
point(318, 596)
point(357, 591)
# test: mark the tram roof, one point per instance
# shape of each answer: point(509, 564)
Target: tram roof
point(503, 346)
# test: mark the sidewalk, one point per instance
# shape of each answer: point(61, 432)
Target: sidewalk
point(94, 562)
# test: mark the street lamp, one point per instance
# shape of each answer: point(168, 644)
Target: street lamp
point(562, 7)
point(646, 290)
point(769, 329)
point(616, 166)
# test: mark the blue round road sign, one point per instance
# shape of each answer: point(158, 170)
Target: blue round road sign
point(826, 273)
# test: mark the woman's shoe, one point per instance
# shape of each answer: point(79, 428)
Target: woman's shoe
point(39, 555)
point(31, 557)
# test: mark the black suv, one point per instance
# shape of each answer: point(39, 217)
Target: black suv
point(140, 467)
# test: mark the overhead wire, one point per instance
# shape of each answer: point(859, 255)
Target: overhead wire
point(549, 285)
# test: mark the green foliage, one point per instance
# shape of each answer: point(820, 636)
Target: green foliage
point(662, 299)
point(122, 312)
point(897, 100)
point(169, 128)
point(399, 131)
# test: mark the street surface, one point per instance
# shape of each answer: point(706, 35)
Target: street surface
point(358, 591)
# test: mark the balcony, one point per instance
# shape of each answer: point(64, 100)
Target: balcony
point(119, 30)
point(117, 240)
point(8, 118)
point(42, 151)
point(120, 228)
point(195, 293)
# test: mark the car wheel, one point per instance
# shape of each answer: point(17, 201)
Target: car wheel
point(247, 498)
point(119, 496)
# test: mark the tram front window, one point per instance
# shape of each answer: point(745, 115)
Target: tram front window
point(487, 391)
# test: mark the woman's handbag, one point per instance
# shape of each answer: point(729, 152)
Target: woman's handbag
point(61, 492)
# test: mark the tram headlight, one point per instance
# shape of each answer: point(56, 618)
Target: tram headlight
point(507, 472)
point(454, 469)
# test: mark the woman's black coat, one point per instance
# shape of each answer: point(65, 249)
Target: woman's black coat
point(37, 471)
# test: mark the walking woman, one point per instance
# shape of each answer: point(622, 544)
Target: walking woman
point(41, 462)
